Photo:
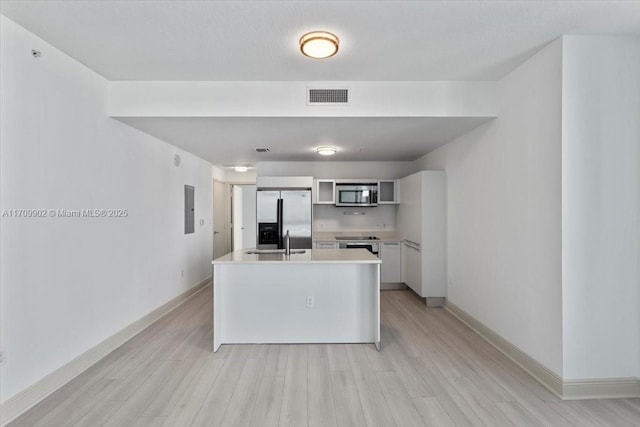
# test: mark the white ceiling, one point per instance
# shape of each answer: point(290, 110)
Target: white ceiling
point(258, 40)
point(234, 140)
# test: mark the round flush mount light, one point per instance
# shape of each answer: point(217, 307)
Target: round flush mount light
point(326, 151)
point(241, 168)
point(319, 44)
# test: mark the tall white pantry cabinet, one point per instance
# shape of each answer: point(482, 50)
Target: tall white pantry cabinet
point(421, 223)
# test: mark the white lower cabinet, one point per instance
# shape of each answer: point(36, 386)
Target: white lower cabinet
point(325, 245)
point(412, 267)
point(390, 268)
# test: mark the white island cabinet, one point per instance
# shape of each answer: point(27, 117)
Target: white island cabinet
point(320, 296)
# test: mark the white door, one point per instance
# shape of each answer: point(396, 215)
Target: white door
point(249, 232)
point(237, 221)
point(244, 217)
point(220, 220)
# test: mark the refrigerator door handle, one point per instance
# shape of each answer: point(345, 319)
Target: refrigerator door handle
point(280, 236)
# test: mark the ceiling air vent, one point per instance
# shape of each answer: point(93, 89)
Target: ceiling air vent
point(262, 150)
point(327, 96)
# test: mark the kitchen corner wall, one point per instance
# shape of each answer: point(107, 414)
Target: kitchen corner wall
point(504, 211)
point(601, 206)
point(67, 284)
point(544, 210)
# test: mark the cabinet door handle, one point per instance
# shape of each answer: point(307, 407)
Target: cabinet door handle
point(391, 244)
point(410, 246)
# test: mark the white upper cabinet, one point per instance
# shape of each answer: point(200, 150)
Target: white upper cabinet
point(387, 193)
point(324, 191)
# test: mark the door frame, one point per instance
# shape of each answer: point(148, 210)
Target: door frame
point(228, 212)
point(240, 215)
point(225, 219)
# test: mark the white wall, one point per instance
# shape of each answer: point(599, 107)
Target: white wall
point(284, 99)
point(601, 207)
point(67, 284)
point(248, 177)
point(218, 173)
point(504, 211)
point(333, 169)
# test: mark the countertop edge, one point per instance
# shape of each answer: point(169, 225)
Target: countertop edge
point(311, 256)
point(312, 261)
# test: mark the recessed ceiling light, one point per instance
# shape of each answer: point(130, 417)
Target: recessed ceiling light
point(319, 44)
point(326, 151)
point(240, 168)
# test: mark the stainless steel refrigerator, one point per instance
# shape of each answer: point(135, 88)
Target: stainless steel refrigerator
point(280, 210)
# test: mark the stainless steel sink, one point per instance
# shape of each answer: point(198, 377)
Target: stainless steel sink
point(273, 251)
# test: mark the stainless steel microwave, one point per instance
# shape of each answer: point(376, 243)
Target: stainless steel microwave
point(356, 194)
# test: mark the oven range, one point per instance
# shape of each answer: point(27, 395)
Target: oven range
point(370, 243)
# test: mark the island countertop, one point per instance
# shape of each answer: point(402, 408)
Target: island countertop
point(326, 256)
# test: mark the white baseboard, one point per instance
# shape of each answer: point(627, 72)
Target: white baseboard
point(597, 388)
point(601, 388)
point(26, 399)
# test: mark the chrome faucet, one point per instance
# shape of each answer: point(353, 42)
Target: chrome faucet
point(287, 244)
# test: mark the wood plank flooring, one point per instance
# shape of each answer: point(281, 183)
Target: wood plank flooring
point(432, 371)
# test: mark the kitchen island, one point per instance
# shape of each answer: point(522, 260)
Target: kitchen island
point(319, 296)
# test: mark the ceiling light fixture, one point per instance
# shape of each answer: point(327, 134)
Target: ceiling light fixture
point(319, 44)
point(326, 151)
point(241, 168)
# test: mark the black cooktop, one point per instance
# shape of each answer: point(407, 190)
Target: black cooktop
point(357, 238)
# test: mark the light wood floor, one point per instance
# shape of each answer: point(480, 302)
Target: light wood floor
point(432, 371)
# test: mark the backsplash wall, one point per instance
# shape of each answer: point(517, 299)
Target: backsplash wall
point(331, 218)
